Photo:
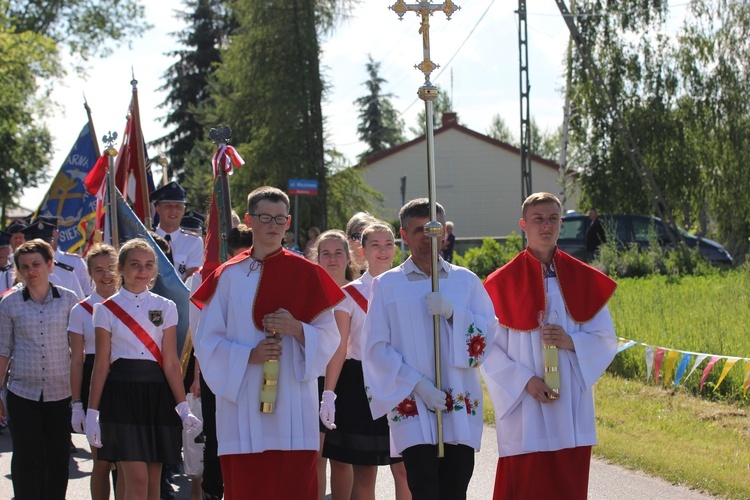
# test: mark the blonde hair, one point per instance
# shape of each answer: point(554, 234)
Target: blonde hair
point(99, 250)
point(378, 227)
point(334, 235)
point(537, 199)
point(135, 244)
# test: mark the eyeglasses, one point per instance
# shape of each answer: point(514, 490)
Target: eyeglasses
point(266, 218)
point(355, 236)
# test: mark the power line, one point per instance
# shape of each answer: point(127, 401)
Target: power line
point(454, 54)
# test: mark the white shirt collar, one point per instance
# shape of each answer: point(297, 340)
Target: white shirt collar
point(410, 267)
point(135, 297)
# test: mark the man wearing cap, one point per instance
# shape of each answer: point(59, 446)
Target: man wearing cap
point(15, 230)
point(187, 249)
point(69, 259)
point(7, 271)
point(62, 274)
point(192, 223)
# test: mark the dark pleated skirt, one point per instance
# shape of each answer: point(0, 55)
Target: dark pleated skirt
point(88, 369)
point(321, 387)
point(137, 416)
point(357, 439)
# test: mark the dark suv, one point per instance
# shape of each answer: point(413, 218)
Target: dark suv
point(633, 229)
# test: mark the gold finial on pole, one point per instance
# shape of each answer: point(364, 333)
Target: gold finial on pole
point(111, 190)
point(428, 93)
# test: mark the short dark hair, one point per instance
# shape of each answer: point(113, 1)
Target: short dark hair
point(419, 207)
point(537, 199)
point(269, 193)
point(239, 238)
point(35, 246)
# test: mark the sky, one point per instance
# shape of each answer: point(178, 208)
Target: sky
point(477, 51)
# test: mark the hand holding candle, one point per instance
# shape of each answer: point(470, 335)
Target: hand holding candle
point(550, 353)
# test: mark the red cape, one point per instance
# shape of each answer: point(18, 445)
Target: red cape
point(287, 280)
point(517, 290)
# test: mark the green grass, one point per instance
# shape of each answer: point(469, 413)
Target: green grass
point(708, 314)
point(670, 434)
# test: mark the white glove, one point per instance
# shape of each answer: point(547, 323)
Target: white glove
point(438, 305)
point(93, 432)
point(328, 409)
point(189, 421)
point(433, 397)
point(78, 418)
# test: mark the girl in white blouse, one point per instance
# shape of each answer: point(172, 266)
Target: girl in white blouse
point(136, 380)
point(101, 261)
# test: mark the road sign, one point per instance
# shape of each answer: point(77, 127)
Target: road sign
point(303, 186)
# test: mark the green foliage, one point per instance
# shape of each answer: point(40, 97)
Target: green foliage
point(25, 144)
point(31, 34)
point(348, 194)
point(634, 262)
point(379, 125)
point(187, 84)
point(500, 131)
point(490, 256)
point(442, 104)
point(269, 90)
point(86, 26)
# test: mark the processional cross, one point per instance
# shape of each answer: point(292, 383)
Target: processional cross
point(428, 93)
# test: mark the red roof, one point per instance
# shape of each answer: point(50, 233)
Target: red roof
point(376, 157)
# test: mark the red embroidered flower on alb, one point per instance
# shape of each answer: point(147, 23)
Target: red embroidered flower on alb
point(477, 345)
point(407, 408)
point(449, 401)
point(468, 405)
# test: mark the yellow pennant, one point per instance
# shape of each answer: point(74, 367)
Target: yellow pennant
point(727, 366)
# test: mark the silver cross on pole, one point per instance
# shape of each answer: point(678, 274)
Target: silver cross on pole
point(428, 93)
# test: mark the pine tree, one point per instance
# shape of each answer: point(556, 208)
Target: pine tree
point(187, 81)
point(380, 126)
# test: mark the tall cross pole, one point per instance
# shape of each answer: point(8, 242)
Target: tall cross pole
point(428, 93)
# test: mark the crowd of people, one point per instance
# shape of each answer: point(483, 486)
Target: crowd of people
point(340, 340)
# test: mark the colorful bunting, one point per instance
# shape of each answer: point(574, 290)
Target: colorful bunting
point(658, 358)
point(669, 366)
point(649, 361)
point(684, 362)
point(727, 366)
point(710, 365)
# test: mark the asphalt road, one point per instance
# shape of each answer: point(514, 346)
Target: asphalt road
point(607, 482)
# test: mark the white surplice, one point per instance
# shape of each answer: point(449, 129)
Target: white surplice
point(525, 425)
point(225, 336)
point(398, 343)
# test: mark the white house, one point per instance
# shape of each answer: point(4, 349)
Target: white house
point(478, 179)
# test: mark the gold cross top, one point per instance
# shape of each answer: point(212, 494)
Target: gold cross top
point(425, 8)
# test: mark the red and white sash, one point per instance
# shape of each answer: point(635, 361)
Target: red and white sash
point(88, 307)
point(134, 327)
point(356, 295)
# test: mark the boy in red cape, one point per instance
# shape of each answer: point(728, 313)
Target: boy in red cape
point(263, 291)
point(545, 437)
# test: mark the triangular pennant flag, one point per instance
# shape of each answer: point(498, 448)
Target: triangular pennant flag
point(622, 345)
point(697, 363)
point(649, 361)
point(658, 358)
point(669, 365)
point(707, 369)
point(746, 380)
point(684, 362)
point(727, 366)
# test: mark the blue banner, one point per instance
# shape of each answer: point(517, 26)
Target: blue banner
point(67, 198)
point(168, 284)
